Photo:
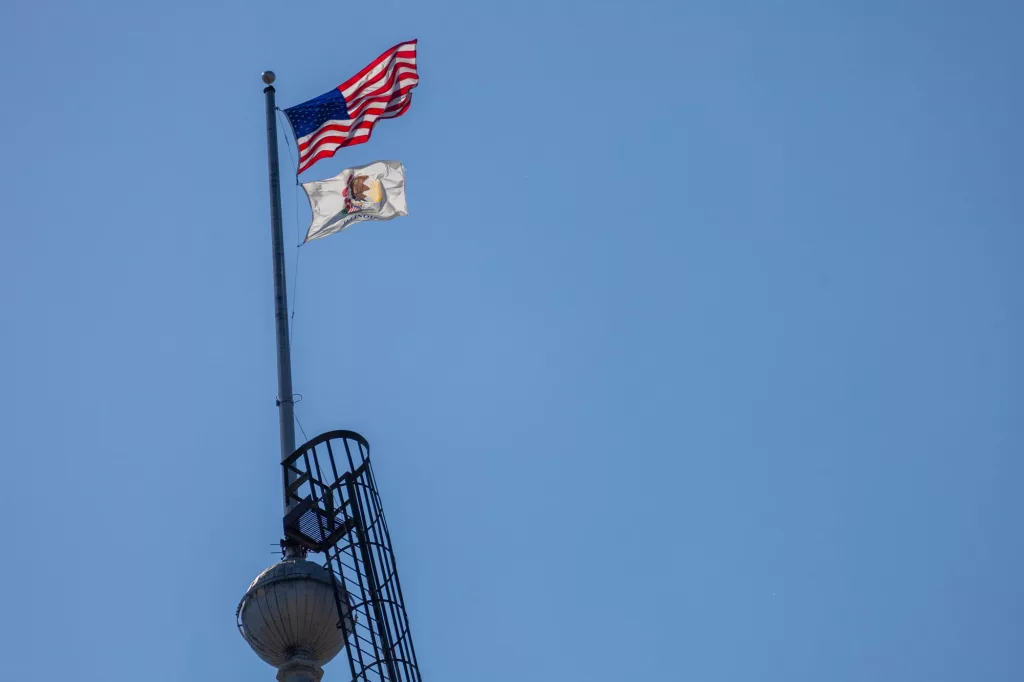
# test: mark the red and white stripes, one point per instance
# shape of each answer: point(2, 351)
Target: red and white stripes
point(381, 90)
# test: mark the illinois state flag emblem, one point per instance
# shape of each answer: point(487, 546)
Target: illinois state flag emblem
point(373, 192)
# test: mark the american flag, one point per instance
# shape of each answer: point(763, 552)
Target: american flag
point(346, 115)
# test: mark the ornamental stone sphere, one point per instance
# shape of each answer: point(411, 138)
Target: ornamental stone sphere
point(289, 614)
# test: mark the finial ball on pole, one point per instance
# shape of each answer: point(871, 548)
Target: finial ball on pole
point(268, 77)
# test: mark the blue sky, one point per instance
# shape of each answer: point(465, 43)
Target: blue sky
point(696, 359)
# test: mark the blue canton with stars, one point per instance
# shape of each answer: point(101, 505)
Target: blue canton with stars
point(309, 116)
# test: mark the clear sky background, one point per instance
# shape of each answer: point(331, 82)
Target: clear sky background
point(698, 357)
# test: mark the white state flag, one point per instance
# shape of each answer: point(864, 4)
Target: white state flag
point(373, 192)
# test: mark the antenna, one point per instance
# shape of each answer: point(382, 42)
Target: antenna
point(285, 395)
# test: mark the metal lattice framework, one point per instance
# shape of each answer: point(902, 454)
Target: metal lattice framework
point(334, 510)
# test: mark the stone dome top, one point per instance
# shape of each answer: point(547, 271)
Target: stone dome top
point(290, 569)
point(290, 610)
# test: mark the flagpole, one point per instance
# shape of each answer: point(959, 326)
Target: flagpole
point(285, 404)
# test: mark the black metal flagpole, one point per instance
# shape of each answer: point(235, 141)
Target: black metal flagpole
point(285, 403)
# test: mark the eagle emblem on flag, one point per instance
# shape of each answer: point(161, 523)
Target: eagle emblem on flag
point(364, 194)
